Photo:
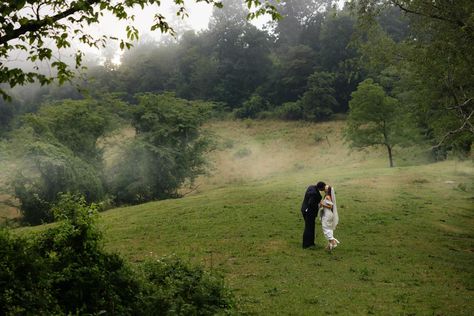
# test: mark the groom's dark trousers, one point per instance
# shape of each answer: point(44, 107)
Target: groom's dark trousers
point(309, 210)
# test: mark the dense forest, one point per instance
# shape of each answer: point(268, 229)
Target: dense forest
point(304, 66)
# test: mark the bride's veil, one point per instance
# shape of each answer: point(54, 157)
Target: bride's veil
point(335, 215)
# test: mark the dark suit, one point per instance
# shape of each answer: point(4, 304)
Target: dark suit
point(309, 209)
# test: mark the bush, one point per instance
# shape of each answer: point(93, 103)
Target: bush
point(228, 143)
point(176, 288)
point(65, 271)
point(46, 170)
point(56, 151)
point(290, 111)
point(252, 107)
point(318, 138)
point(265, 115)
point(242, 152)
point(24, 285)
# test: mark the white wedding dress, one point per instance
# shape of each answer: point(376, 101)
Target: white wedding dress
point(329, 217)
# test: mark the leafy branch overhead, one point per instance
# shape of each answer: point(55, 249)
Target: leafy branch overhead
point(31, 25)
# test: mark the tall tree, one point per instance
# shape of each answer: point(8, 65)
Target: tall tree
point(241, 52)
point(338, 55)
point(297, 17)
point(438, 63)
point(290, 74)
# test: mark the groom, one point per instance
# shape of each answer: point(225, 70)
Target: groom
point(309, 209)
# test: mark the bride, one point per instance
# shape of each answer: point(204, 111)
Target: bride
point(329, 216)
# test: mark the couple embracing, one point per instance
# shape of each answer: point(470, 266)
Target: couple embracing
point(313, 203)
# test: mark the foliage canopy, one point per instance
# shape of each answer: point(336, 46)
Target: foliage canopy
point(28, 26)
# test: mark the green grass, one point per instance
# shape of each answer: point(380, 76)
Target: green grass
point(407, 237)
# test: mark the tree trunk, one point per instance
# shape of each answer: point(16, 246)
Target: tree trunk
point(390, 155)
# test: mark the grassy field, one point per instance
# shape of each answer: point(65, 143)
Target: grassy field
point(407, 233)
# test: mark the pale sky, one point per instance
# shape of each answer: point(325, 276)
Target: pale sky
point(198, 19)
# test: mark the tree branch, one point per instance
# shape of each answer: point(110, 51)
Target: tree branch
point(433, 16)
point(459, 106)
point(33, 26)
point(460, 129)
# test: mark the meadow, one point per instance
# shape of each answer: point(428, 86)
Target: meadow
point(407, 236)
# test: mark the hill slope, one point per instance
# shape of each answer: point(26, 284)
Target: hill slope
point(406, 233)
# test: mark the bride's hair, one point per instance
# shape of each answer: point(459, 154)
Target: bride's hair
point(329, 190)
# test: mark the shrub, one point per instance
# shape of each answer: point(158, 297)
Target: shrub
point(24, 282)
point(248, 123)
point(318, 138)
point(46, 170)
point(265, 115)
point(228, 143)
point(176, 288)
point(252, 107)
point(290, 111)
point(56, 151)
point(242, 152)
point(65, 271)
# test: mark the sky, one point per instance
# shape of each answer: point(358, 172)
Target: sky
point(198, 19)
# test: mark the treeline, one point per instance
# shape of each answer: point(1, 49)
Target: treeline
point(307, 65)
point(306, 58)
point(306, 62)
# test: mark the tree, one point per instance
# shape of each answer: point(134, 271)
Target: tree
point(438, 64)
point(297, 17)
point(375, 119)
point(148, 68)
point(290, 75)
point(197, 66)
point(319, 102)
point(28, 26)
point(56, 150)
point(338, 55)
point(44, 171)
point(167, 150)
point(241, 53)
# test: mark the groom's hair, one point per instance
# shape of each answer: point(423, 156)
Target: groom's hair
point(320, 186)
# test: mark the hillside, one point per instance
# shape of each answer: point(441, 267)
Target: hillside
point(406, 233)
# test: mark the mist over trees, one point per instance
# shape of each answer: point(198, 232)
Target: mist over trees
point(59, 149)
point(30, 27)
